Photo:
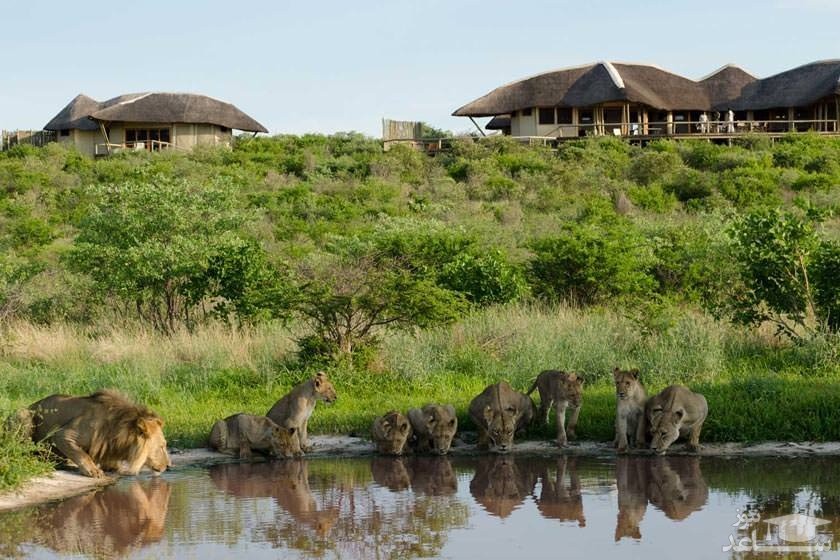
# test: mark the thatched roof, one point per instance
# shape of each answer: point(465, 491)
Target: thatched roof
point(793, 88)
point(75, 115)
point(725, 84)
point(83, 112)
point(601, 82)
point(589, 85)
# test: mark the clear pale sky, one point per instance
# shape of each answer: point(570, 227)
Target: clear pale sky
point(322, 66)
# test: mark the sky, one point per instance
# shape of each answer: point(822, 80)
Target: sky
point(329, 66)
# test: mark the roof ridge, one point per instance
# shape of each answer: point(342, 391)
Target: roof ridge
point(724, 67)
point(614, 74)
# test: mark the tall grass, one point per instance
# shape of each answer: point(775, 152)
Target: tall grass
point(757, 387)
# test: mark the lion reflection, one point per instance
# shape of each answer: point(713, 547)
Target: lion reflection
point(558, 499)
point(285, 481)
point(390, 473)
point(500, 485)
point(432, 476)
point(674, 485)
point(108, 523)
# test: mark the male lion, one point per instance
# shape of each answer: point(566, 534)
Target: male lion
point(391, 433)
point(630, 409)
point(434, 427)
point(564, 390)
point(100, 432)
point(246, 433)
point(675, 412)
point(294, 409)
point(499, 412)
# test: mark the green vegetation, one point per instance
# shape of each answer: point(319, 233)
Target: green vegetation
point(209, 282)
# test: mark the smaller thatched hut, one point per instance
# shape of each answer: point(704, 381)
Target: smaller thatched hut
point(150, 121)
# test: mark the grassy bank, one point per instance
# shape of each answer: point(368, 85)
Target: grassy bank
point(757, 388)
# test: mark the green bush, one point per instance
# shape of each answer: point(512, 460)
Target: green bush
point(591, 261)
point(483, 279)
point(825, 274)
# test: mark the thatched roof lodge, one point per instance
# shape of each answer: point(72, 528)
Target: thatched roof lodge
point(150, 121)
point(643, 100)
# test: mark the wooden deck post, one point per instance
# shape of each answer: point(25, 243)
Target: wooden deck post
point(670, 126)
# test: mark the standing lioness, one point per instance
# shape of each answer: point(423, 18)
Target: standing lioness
point(294, 409)
point(563, 390)
point(676, 411)
point(630, 409)
point(244, 433)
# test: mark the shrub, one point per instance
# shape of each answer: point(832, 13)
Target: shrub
point(649, 166)
point(591, 261)
point(483, 279)
point(689, 184)
point(825, 275)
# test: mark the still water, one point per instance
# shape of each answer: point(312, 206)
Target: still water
point(460, 507)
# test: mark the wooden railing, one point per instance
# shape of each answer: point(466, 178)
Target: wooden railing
point(9, 138)
point(104, 149)
point(707, 128)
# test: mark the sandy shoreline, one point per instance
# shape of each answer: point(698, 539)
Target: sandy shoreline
point(64, 484)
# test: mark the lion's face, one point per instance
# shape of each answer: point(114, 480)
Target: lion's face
point(665, 429)
point(324, 390)
point(284, 442)
point(157, 457)
point(501, 425)
point(626, 383)
point(442, 430)
point(395, 433)
point(573, 389)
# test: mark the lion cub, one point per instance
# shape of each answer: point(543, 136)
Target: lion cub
point(390, 433)
point(246, 433)
point(434, 428)
point(630, 409)
point(294, 409)
point(676, 411)
point(564, 390)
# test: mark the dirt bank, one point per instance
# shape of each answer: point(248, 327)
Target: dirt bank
point(64, 484)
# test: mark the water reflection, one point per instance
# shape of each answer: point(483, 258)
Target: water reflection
point(500, 485)
point(559, 499)
point(106, 524)
point(410, 507)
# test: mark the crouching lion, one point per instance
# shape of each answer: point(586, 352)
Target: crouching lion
point(630, 409)
point(676, 411)
point(563, 390)
point(499, 412)
point(246, 433)
point(434, 427)
point(391, 433)
point(101, 432)
point(294, 409)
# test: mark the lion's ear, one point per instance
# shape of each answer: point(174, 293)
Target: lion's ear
point(292, 431)
point(580, 381)
point(635, 373)
point(146, 426)
point(317, 381)
point(431, 419)
point(452, 422)
point(404, 428)
point(680, 413)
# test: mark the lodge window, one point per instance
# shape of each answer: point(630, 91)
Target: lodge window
point(546, 116)
point(64, 132)
point(149, 137)
point(527, 112)
point(612, 115)
point(564, 115)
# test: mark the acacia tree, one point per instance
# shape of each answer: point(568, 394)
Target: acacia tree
point(775, 250)
point(349, 298)
point(169, 250)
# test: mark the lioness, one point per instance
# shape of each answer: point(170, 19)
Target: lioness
point(245, 433)
point(100, 432)
point(434, 427)
point(390, 433)
point(676, 411)
point(630, 409)
point(294, 409)
point(499, 412)
point(564, 390)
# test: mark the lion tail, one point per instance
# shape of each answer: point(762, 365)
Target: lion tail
point(534, 386)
